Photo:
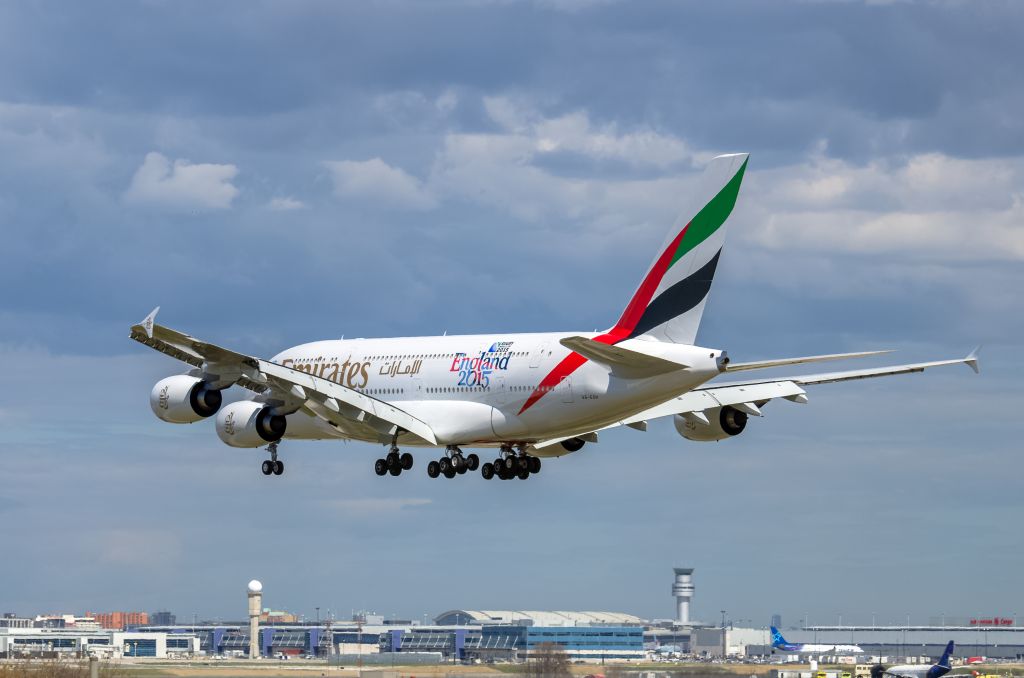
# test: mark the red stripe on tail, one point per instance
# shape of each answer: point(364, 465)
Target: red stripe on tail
point(630, 317)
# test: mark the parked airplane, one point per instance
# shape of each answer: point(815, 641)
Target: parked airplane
point(528, 395)
point(779, 643)
point(918, 671)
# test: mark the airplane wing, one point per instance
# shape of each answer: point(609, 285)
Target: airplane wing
point(750, 396)
point(293, 389)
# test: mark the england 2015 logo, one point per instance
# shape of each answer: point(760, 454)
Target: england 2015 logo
point(476, 370)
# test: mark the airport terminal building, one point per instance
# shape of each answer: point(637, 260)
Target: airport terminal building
point(104, 643)
point(457, 635)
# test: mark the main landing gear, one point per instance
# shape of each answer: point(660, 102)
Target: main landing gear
point(394, 463)
point(508, 465)
point(273, 465)
point(453, 463)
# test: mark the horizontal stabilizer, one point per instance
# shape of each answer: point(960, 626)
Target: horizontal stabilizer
point(765, 364)
point(622, 361)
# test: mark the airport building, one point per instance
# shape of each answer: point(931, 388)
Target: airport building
point(58, 642)
point(535, 618)
point(993, 641)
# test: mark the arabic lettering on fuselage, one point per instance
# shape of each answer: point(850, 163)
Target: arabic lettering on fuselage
point(400, 367)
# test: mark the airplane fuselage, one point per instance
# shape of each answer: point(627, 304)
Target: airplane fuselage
point(810, 648)
point(491, 389)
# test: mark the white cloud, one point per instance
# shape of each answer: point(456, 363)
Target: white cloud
point(376, 180)
point(574, 133)
point(927, 205)
point(286, 204)
point(182, 185)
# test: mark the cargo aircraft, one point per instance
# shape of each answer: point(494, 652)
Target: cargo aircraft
point(526, 395)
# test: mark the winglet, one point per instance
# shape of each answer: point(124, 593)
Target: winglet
point(972, 359)
point(147, 324)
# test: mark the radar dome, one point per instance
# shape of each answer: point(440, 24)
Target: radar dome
point(255, 586)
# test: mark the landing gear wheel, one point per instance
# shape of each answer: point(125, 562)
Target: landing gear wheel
point(268, 467)
point(534, 464)
point(380, 467)
point(406, 460)
point(523, 473)
point(433, 469)
point(472, 462)
point(487, 471)
point(462, 468)
point(499, 466)
point(450, 473)
point(278, 467)
point(445, 465)
point(395, 470)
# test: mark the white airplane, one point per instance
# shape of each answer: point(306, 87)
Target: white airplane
point(528, 395)
point(779, 643)
point(918, 671)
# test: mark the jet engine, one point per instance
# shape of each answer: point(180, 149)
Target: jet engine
point(182, 399)
point(723, 422)
point(573, 444)
point(250, 424)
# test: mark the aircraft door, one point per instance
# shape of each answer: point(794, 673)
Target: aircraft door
point(539, 354)
point(564, 389)
point(500, 390)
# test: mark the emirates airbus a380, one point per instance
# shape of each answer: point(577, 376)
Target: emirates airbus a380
point(527, 395)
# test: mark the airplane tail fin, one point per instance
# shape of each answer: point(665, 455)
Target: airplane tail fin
point(669, 303)
point(943, 666)
point(777, 638)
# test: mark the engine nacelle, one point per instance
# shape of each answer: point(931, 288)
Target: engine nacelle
point(723, 422)
point(249, 424)
point(182, 399)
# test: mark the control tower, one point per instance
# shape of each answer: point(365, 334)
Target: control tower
point(255, 607)
point(682, 589)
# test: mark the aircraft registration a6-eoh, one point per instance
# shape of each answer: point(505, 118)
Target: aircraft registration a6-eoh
point(528, 395)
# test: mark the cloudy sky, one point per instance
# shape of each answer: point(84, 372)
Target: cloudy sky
point(272, 173)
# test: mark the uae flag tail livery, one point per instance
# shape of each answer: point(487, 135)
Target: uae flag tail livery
point(670, 299)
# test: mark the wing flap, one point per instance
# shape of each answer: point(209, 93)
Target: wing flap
point(711, 397)
point(323, 390)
